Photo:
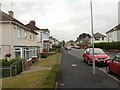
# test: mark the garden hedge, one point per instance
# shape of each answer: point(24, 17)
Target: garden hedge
point(7, 64)
point(108, 45)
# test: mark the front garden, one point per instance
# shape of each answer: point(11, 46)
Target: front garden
point(45, 78)
point(12, 67)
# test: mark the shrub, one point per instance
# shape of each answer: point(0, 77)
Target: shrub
point(53, 77)
point(55, 48)
point(15, 69)
point(108, 45)
point(43, 55)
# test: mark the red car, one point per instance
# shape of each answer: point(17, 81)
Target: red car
point(101, 58)
point(114, 65)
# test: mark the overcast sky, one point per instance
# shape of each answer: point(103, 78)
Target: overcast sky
point(66, 19)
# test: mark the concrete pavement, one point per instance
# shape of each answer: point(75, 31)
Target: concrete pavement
point(77, 74)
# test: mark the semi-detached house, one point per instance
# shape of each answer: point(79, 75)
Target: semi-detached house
point(53, 42)
point(43, 36)
point(16, 38)
point(113, 35)
point(98, 38)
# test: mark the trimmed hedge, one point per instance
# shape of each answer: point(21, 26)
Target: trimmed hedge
point(53, 77)
point(7, 64)
point(55, 49)
point(108, 45)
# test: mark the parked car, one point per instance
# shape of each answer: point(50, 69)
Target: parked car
point(114, 65)
point(101, 58)
point(76, 47)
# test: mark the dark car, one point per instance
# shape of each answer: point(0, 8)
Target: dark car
point(100, 56)
point(113, 66)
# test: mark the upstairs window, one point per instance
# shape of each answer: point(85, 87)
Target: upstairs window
point(97, 38)
point(25, 34)
point(102, 38)
point(30, 36)
point(19, 33)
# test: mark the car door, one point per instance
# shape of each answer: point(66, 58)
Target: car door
point(118, 64)
point(115, 65)
point(119, 68)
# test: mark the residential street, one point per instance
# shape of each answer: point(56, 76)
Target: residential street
point(49, 45)
point(77, 74)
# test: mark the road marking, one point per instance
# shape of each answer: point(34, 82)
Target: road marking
point(74, 65)
point(110, 75)
point(61, 84)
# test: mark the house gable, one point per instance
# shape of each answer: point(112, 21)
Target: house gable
point(5, 18)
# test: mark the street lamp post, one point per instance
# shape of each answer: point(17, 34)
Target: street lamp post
point(92, 36)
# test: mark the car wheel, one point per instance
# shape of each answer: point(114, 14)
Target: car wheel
point(108, 69)
point(83, 59)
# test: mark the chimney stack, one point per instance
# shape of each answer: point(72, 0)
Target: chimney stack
point(32, 23)
point(11, 13)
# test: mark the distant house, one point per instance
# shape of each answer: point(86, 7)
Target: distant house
point(16, 38)
point(70, 43)
point(53, 42)
point(98, 38)
point(113, 35)
point(42, 38)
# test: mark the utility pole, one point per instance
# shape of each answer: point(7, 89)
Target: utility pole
point(0, 5)
point(12, 5)
point(92, 36)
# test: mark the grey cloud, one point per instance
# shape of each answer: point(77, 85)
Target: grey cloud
point(75, 15)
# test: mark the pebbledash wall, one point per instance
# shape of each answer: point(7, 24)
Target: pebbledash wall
point(17, 40)
point(113, 36)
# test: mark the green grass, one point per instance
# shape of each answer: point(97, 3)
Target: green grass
point(53, 77)
point(50, 61)
point(28, 80)
point(37, 79)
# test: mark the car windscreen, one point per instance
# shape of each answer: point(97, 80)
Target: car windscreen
point(97, 51)
point(118, 57)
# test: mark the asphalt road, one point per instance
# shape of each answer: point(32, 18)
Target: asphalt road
point(77, 74)
point(79, 52)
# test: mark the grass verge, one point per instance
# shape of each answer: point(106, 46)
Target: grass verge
point(52, 77)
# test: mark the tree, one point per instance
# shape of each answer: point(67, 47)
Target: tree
point(83, 39)
point(62, 43)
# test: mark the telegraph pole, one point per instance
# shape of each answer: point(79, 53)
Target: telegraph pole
point(11, 5)
point(92, 36)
